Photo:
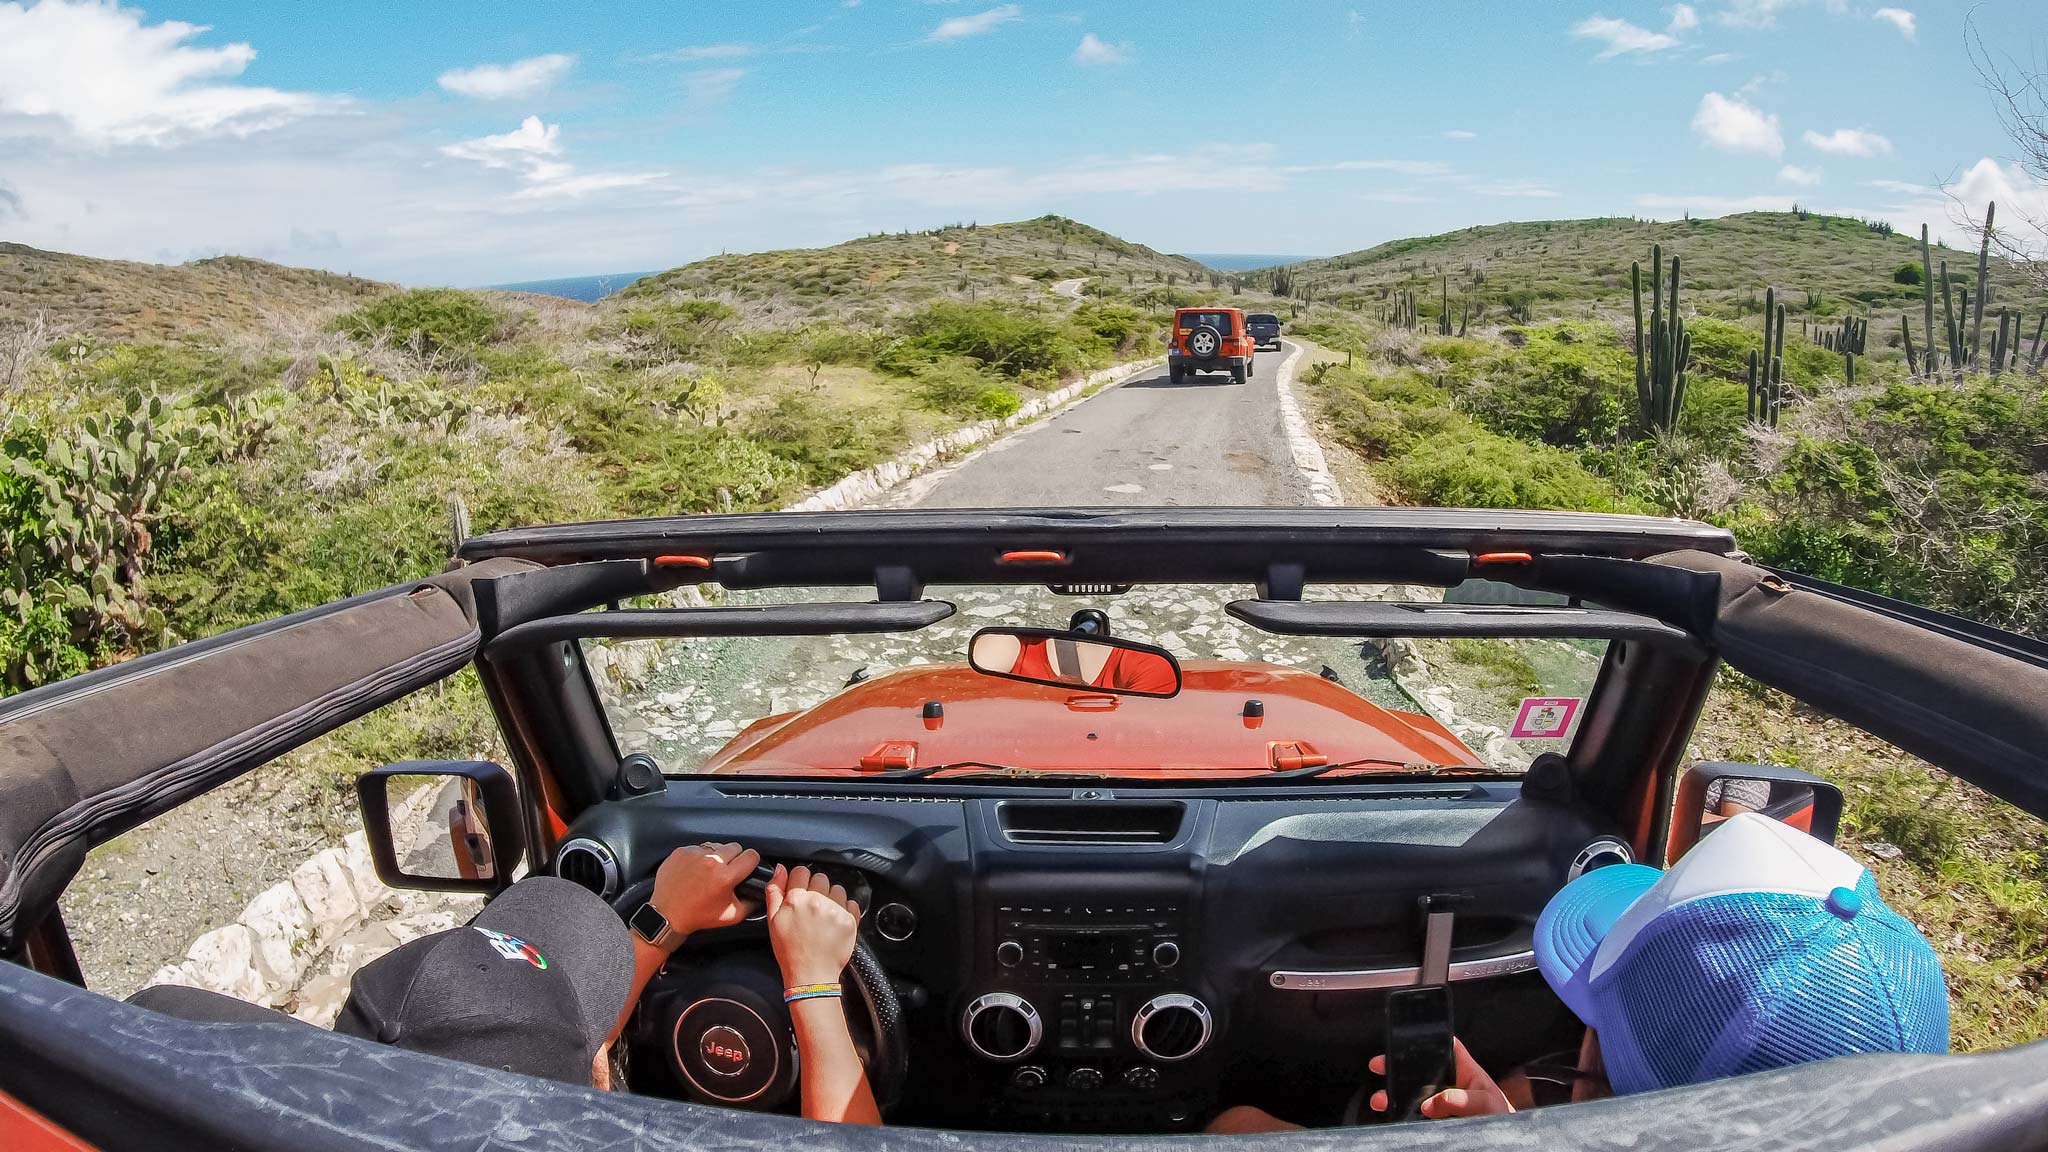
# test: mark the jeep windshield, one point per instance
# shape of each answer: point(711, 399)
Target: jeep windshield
point(1252, 703)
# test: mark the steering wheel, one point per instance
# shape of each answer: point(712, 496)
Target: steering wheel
point(728, 1034)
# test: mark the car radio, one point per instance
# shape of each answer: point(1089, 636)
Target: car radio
point(1085, 943)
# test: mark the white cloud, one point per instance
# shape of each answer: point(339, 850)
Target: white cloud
point(1731, 125)
point(1460, 134)
point(1702, 205)
point(1720, 58)
point(109, 79)
point(1753, 13)
point(504, 81)
point(1094, 50)
point(979, 24)
point(1905, 187)
point(1849, 142)
point(1394, 198)
point(1402, 167)
point(1898, 18)
point(1794, 174)
point(697, 52)
point(1520, 189)
point(526, 148)
point(534, 151)
point(1684, 18)
point(1621, 36)
point(711, 85)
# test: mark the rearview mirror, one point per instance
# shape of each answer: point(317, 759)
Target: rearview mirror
point(442, 825)
point(1067, 660)
point(1711, 793)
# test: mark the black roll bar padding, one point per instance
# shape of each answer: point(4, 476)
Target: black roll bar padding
point(1430, 619)
point(750, 620)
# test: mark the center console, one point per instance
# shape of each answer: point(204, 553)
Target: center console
point(1088, 1011)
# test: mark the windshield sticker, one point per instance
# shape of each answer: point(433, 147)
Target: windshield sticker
point(1544, 717)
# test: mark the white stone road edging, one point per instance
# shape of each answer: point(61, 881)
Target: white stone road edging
point(1301, 439)
point(866, 485)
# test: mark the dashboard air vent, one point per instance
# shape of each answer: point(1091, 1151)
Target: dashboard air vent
point(589, 864)
point(1028, 822)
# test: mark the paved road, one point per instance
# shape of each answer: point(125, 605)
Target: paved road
point(1145, 442)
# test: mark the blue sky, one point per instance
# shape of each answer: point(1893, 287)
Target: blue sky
point(467, 143)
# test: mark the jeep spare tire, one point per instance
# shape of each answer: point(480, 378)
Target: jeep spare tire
point(1204, 343)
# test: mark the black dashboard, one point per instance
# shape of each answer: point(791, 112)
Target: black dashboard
point(1115, 958)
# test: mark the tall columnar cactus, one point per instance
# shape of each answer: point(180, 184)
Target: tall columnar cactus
point(1927, 277)
point(1983, 282)
point(1767, 371)
point(1664, 350)
point(1906, 334)
point(1443, 314)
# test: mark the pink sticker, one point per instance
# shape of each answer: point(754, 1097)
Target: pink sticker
point(1544, 717)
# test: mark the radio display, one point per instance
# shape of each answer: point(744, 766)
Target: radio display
point(1079, 949)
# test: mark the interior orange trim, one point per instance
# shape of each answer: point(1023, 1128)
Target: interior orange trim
point(1503, 558)
point(1033, 557)
point(23, 1129)
point(682, 561)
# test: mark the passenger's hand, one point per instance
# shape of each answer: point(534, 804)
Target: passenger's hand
point(694, 886)
point(1474, 1095)
point(811, 925)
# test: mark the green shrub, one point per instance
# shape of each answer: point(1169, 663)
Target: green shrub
point(678, 332)
point(1909, 273)
point(1013, 343)
point(430, 320)
point(1570, 384)
point(824, 442)
point(1473, 468)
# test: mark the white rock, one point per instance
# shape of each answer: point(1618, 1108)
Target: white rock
point(319, 1002)
point(225, 961)
point(328, 892)
point(283, 937)
point(362, 871)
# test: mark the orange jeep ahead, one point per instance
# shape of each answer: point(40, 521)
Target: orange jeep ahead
point(1209, 340)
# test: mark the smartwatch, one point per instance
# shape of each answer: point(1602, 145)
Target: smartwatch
point(650, 925)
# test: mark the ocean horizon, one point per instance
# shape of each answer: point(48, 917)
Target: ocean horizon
point(585, 288)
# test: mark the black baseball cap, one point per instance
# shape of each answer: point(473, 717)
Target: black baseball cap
point(532, 985)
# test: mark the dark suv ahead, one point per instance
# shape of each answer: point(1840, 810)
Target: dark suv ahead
point(1265, 329)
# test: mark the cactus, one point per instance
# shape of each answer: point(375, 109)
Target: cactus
point(1443, 315)
point(1664, 351)
point(1933, 365)
point(1906, 334)
point(1767, 372)
point(1283, 281)
point(100, 492)
point(1983, 282)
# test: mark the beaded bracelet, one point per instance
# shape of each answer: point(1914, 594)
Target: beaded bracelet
point(808, 992)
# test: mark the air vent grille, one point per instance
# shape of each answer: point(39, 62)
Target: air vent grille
point(839, 798)
point(1097, 822)
point(589, 864)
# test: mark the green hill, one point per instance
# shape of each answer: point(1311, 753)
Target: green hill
point(1571, 267)
point(127, 300)
point(1017, 262)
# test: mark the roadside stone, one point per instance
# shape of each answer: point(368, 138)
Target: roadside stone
point(1882, 850)
point(320, 1001)
point(328, 893)
point(225, 961)
point(406, 928)
point(362, 871)
point(283, 934)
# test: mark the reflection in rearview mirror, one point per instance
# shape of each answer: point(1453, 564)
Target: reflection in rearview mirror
point(439, 829)
point(1065, 660)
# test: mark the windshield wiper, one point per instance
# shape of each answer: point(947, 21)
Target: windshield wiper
point(1005, 771)
point(1406, 769)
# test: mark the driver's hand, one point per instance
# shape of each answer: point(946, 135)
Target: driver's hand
point(1475, 1094)
point(811, 924)
point(694, 886)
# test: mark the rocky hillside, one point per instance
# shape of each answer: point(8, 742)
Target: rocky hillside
point(126, 300)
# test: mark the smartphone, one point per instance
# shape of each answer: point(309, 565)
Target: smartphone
point(1419, 1061)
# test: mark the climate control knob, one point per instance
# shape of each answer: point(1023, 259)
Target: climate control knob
point(1009, 953)
point(1141, 1077)
point(1084, 1079)
point(1165, 954)
point(1029, 1078)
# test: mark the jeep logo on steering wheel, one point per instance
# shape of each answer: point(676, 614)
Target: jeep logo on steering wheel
point(724, 1051)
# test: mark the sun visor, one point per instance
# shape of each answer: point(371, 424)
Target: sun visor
point(85, 759)
point(1963, 697)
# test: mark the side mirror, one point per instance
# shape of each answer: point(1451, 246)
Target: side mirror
point(1072, 660)
point(1710, 793)
point(442, 825)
